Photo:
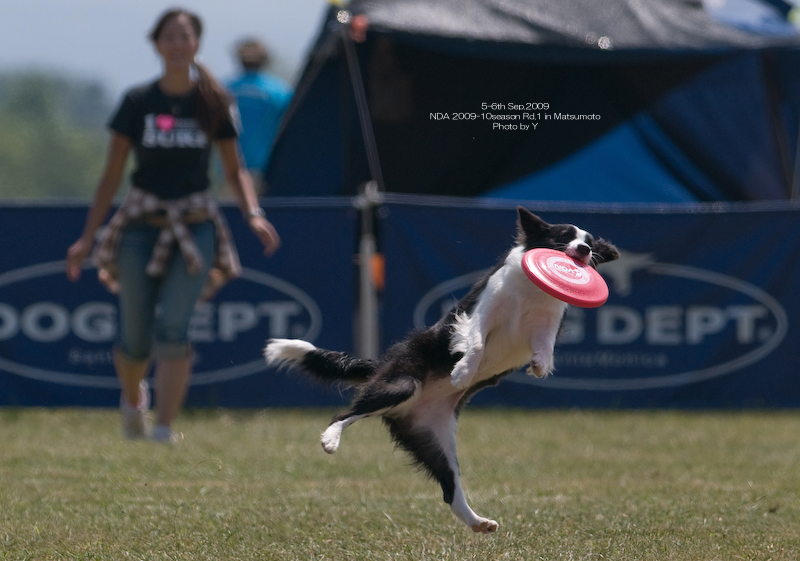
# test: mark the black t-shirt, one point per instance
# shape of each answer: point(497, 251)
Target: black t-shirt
point(172, 151)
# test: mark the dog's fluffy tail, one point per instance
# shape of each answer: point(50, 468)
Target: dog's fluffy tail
point(328, 366)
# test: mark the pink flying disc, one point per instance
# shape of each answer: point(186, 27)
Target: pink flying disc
point(564, 278)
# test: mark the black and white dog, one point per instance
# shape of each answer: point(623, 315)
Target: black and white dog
point(421, 384)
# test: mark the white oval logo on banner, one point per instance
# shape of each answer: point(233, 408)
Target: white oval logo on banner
point(48, 323)
point(763, 324)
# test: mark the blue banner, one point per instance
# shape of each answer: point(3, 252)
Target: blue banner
point(702, 308)
point(56, 336)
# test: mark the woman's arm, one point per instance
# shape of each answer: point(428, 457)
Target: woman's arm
point(241, 185)
point(118, 149)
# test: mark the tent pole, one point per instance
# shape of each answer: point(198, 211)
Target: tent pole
point(368, 321)
point(363, 109)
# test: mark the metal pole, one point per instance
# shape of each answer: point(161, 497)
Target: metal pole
point(368, 324)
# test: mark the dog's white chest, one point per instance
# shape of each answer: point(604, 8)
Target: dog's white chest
point(517, 331)
point(512, 321)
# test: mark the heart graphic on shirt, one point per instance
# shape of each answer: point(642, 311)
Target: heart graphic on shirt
point(165, 122)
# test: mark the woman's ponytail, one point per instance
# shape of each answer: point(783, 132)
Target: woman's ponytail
point(213, 103)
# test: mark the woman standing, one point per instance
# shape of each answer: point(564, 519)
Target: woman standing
point(167, 244)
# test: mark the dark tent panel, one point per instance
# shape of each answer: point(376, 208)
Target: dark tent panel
point(579, 28)
point(646, 101)
point(701, 141)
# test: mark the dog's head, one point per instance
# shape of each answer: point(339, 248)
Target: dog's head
point(533, 232)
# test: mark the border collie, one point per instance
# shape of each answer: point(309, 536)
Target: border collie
point(420, 386)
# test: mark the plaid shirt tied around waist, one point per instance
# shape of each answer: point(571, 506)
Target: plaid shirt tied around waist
point(140, 204)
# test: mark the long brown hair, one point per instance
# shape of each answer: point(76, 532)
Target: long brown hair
point(213, 101)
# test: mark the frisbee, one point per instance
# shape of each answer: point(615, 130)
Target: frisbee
point(564, 278)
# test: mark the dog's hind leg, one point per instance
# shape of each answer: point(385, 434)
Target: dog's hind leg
point(333, 434)
point(463, 511)
point(433, 447)
point(370, 402)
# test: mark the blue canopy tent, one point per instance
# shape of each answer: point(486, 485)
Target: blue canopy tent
point(642, 101)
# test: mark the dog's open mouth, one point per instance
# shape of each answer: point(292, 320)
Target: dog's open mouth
point(580, 253)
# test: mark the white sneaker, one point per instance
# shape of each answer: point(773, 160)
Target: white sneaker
point(136, 420)
point(164, 435)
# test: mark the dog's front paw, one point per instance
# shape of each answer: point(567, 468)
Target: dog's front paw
point(460, 377)
point(540, 367)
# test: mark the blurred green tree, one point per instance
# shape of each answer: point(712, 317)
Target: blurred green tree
point(52, 135)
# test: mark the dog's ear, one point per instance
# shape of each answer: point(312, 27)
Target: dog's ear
point(604, 251)
point(529, 226)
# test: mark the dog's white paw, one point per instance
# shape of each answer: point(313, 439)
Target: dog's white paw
point(540, 366)
point(331, 438)
point(460, 377)
point(485, 526)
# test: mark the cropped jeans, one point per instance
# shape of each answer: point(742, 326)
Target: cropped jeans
point(155, 311)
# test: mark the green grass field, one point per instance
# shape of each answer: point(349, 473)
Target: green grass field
point(256, 485)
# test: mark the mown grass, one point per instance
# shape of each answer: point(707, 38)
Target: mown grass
point(256, 485)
